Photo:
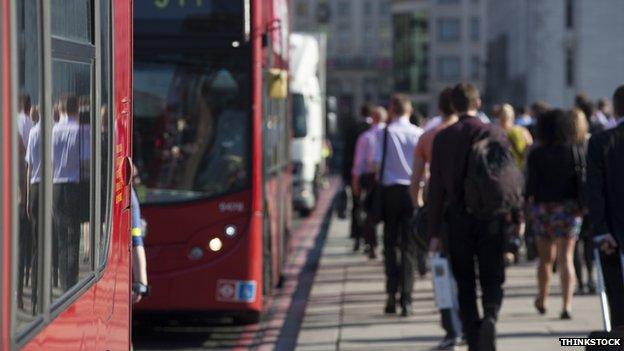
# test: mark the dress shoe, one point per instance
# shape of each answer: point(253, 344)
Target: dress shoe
point(449, 344)
point(406, 310)
point(390, 305)
point(487, 335)
point(356, 245)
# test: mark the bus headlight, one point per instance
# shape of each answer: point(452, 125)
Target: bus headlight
point(215, 244)
point(230, 230)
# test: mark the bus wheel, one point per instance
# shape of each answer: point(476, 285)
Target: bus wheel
point(245, 318)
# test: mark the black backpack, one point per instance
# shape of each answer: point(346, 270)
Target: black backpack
point(493, 184)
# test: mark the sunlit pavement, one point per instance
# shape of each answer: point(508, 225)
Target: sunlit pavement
point(333, 299)
point(344, 311)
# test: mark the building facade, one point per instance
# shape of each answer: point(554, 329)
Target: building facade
point(437, 43)
point(359, 47)
point(551, 50)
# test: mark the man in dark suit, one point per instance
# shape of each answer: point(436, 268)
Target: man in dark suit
point(605, 195)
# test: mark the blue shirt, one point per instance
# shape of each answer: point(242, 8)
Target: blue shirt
point(135, 208)
point(69, 142)
point(33, 153)
point(402, 139)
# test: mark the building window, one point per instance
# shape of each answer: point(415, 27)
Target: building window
point(475, 68)
point(344, 8)
point(384, 8)
point(449, 68)
point(302, 9)
point(475, 29)
point(569, 68)
point(569, 14)
point(448, 29)
point(367, 8)
point(410, 52)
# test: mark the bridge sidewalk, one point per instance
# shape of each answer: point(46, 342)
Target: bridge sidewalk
point(344, 309)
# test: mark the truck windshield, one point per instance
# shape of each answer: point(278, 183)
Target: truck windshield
point(300, 116)
point(191, 125)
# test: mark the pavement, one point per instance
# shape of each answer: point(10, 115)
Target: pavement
point(345, 304)
point(332, 299)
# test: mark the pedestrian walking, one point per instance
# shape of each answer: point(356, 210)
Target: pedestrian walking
point(585, 104)
point(354, 129)
point(472, 233)
point(605, 200)
point(554, 180)
point(524, 119)
point(519, 137)
point(604, 114)
point(395, 159)
point(584, 245)
point(364, 177)
point(67, 198)
point(420, 178)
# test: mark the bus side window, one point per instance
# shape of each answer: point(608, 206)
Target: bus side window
point(105, 130)
point(28, 150)
point(73, 145)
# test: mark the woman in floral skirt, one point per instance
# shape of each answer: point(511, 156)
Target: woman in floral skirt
point(555, 175)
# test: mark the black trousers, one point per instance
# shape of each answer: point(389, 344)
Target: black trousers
point(470, 238)
point(369, 227)
point(614, 285)
point(357, 230)
point(66, 227)
point(399, 245)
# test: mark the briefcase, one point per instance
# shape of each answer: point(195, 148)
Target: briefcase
point(607, 333)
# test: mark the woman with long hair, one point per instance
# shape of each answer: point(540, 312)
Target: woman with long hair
point(554, 194)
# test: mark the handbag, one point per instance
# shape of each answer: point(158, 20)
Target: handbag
point(377, 193)
point(580, 169)
point(444, 286)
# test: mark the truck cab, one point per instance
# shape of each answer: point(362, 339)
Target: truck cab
point(307, 96)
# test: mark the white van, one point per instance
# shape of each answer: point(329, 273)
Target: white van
point(307, 96)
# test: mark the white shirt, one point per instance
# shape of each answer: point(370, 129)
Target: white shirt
point(33, 153)
point(67, 138)
point(365, 147)
point(402, 139)
point(432, 123)
point(24, 124)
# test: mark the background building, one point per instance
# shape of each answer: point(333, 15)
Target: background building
point(550, 50)
point(437, 43)
point(359, 47)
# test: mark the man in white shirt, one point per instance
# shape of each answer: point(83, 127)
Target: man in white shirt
point(32, 160)
point(363, 172)
point(67, 199)
point(395, 158)
point(24, 123)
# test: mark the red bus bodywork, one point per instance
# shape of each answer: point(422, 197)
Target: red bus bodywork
point(215, 284)
point(98, 318)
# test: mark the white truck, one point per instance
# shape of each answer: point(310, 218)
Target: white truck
point(307, 89)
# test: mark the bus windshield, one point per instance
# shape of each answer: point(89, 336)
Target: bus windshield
point(191, 126)
point(189, 17)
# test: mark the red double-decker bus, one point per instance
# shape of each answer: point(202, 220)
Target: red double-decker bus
point(65, 103)
point(211, 147)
